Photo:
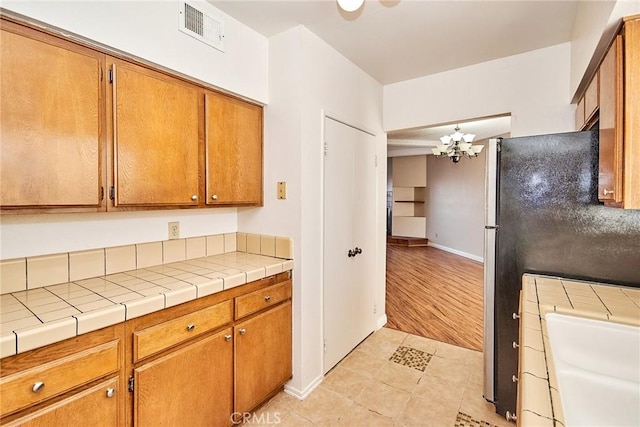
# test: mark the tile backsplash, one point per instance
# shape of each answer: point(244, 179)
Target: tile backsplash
point(40, 271)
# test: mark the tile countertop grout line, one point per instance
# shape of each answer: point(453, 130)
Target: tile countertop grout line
point(99, 317)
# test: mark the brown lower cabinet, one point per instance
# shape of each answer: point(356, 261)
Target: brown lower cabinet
point(95, 406)
point(192, 386)
point(263, 356)
point(192, 364)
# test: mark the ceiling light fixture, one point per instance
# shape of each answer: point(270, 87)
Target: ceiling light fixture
point(350, 5)
point(453, 147)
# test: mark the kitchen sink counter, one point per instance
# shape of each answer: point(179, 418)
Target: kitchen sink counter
point(37, 317)
point(538, 395)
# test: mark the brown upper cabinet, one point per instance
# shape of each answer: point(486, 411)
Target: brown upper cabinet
point(619, 162)
point(155, 138)
point(611, 125)
point(51, 122)
point(85, 128)
point(588, 106)
point(233, 151)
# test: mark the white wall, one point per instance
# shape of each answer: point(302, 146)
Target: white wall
point(306, 77)
point(533, 87)
point(147, 29)
point(594, 18)
point(455, 204)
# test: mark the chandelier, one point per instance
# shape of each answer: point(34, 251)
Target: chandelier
point(454, 148)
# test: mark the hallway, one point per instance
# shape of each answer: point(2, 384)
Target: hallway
point(435, 294)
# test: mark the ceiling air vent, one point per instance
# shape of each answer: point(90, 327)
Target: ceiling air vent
point(201, 26)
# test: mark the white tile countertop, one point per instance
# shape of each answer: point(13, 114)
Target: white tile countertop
point(38, 317)
point(541, 403)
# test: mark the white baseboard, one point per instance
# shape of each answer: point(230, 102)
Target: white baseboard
point(457, 252)
point(382, 320)
point(302, 394)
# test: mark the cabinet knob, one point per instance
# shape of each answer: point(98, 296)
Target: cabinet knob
point(214, 197)
point(607, 192)
point(514, 378)
point(267, 298)
point(511, 417)
point(515, 316)
point(515, 344)
point(111, 392)
point(191, 327)
point(227, 337)
point(37, 387)
point(242, 331)
point(194, 197)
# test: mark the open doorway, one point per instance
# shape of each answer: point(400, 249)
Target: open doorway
point(435, 289)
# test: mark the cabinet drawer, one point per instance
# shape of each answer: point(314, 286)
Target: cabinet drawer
point(51, 379)
point(159, 337)
point(262, 298)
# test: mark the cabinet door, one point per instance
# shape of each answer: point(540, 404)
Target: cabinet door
point(233, 151)
point(263, 356)
point(191, 386)
point(52, 111)
point(97, 406)
point(610, 132)
point(156, 138)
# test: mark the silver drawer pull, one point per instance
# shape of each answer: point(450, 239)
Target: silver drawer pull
point(227, 337)
point(267, 298)
point(111, 392)
point(607, 192)
point(191, 327)
point(37, 387)
point(242, 331)
point(515, 316)
point(514, 378)
point(515, 344)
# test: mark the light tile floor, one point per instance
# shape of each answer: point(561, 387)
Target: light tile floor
point(368, 389)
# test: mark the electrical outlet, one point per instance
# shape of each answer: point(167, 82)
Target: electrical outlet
point(174, 230)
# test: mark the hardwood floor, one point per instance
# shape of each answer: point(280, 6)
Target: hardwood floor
point(435, 294)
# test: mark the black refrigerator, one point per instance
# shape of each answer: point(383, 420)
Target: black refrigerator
point(543, 217)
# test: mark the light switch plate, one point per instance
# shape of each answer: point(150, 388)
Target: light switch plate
point(282, 190)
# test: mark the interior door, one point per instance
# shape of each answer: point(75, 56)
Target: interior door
point(349, 225)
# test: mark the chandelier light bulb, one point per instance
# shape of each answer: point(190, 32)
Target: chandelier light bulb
point(350, 5)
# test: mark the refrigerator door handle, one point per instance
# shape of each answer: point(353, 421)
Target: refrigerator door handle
point(492, 227)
